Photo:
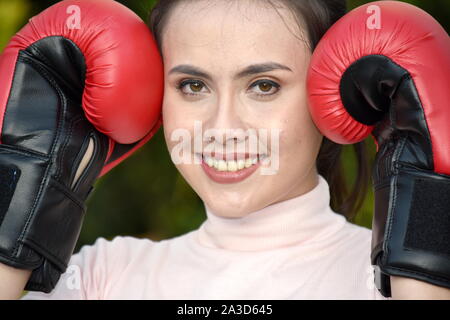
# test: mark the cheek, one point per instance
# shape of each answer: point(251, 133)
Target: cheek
point(299, 137)
point(168, 111)
point(173, 119)
point(177, 139)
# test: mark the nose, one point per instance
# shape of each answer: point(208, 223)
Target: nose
point(227, 123)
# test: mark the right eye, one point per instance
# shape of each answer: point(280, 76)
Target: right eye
point(191, 87)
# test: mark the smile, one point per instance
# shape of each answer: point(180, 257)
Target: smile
point(221, 170)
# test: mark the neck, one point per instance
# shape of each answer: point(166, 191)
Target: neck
point(290, 222)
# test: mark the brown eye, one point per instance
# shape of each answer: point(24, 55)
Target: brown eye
point(265, 87)
point(195, 86)
point(191, 87)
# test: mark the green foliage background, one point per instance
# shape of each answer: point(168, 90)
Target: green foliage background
point(145, 196)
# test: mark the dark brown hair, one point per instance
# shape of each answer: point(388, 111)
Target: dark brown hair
point(317, 16)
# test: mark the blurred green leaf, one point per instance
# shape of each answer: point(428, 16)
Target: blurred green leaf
point(13, 13)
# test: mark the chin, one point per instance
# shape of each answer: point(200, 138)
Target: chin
point(230, 206)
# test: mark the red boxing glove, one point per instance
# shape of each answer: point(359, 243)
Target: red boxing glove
point(82, 79)
point(383, 69)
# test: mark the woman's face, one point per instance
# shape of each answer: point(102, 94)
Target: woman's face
point(235, 110)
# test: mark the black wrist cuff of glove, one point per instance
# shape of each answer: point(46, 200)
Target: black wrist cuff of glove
point(411, 237)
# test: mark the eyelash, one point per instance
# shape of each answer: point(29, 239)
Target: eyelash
point(183, 83)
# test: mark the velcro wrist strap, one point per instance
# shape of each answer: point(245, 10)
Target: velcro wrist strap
point(416, 238)
point(9, 177)
point(25, 173)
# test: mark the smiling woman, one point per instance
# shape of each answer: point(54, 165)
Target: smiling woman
point(239, 69)
point(288, 31)
point(241, 66)
point(227, 89)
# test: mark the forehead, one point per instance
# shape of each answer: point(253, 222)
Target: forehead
point(229, 34)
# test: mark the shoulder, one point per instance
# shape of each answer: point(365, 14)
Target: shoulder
point(106, 260)
point(358, 235)
point(346, 239)
point(353, 261)
point(95, 267)
point(118, 248)
point(354, 245)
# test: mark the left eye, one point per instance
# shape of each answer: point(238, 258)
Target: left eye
point(193, 87)
point(265, 87)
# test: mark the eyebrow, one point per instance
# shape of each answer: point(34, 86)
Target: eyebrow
point(248, 71)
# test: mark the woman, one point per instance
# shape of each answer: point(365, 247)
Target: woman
point(243, 65)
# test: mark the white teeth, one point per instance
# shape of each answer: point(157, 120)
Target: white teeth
point(209, 162)
point(241, 164)
point(222, 166)
point(232, 165)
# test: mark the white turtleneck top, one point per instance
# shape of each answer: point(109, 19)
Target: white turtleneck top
point(295, 249)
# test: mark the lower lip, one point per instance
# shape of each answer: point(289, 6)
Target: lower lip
point(229, 176)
